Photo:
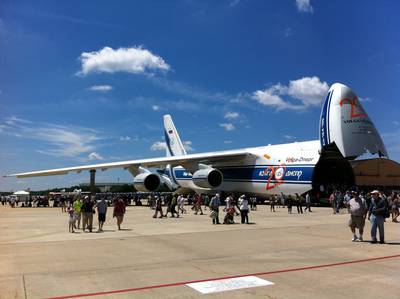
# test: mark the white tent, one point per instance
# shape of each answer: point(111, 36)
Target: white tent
point(23, 196)
point(21, 193)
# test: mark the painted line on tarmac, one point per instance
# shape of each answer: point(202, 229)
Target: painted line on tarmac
point(175, 284)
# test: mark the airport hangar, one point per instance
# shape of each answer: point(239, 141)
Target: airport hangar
point(379, 172)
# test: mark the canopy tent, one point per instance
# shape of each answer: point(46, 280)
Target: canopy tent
point(23, 196)
point(21, 193)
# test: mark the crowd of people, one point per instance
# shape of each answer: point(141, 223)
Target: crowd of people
point(82, 211)
point(32, 201)
point(374, 206)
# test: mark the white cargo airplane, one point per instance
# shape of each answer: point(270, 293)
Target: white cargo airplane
point(346, 132)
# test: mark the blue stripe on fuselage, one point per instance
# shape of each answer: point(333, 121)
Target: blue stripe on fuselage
point(292, 173)
point(182, 174)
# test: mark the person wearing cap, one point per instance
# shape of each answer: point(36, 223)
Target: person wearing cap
point(358, 210)
point(244, 209)
point(376, 215)
point(214, 207)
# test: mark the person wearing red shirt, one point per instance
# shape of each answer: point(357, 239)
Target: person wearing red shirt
point(119, 211)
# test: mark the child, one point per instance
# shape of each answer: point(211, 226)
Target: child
point(71, 214)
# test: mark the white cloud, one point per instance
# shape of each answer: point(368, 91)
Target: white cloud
point(158, 146)
point(310, 90)
point(270, 97)
point(188, 146)
point(101, 88)
point(307, 91)
point(59, 141)
point(95, 156)
point(64, 142)
point(227, 126)
point(231, 115)
point(304, 6)
point(134, 60)
point(12, 120)
point(125, 138)
point(396, 123)
point(155, 107)
point(161, 146)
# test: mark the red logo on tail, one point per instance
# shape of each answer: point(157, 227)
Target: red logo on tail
point(356, 109)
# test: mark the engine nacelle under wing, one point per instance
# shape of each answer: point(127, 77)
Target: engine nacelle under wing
point(207, 178)
point(147, 181)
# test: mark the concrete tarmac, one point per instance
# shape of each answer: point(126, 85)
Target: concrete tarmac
point(302, 255)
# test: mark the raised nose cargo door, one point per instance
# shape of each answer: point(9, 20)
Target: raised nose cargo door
point(345, 123)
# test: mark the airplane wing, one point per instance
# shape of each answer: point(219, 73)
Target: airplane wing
point(133, 165)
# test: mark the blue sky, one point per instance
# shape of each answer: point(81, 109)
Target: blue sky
point(88, 81)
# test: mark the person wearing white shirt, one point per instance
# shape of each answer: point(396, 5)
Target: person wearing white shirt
point(244, 209)
point(181, 204)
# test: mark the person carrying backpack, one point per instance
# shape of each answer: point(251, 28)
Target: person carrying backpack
point(378, 211)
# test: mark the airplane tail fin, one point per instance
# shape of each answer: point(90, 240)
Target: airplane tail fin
point(172, 139)
point(345, 123)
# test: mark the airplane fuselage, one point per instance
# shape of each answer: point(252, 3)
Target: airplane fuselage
point(272, 169)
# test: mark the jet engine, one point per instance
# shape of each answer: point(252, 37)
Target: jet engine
point(207, 178)
point(148, 182)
